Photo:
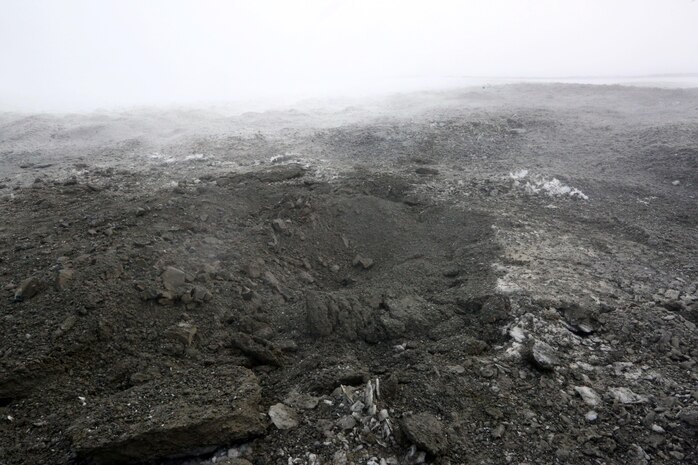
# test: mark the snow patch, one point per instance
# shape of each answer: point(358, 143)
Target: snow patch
point(537, 184)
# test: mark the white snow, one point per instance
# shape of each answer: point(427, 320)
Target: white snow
point(538, 184)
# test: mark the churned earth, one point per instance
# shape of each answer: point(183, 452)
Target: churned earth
point(495, 275)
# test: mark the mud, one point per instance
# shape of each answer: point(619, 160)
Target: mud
point(500, 275)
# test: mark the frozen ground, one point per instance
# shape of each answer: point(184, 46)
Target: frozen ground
point(494, 275)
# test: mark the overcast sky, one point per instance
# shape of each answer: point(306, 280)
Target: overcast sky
point(81, 54)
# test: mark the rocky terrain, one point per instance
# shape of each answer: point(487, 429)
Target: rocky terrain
point(497, 275)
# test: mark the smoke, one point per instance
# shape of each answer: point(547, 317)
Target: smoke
point(80, 54)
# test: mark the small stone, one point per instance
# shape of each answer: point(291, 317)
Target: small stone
point(200, 294)
point(358, 406)
point(273, 281)
point(588, 395)
point(675, 182)
point(172, 278)
point(66, 326)
point(340, 458)
point(672, 294)
point(183, 332)
point(637, 455)
point(626, 396)
point(280, 226)
point(306, 277)
point(689, 417)
point(451, 272)
point(658, 429)
point(64, 276)
point(346, 423)
point(286, 345)
point(301, 401)
point(28, 289)
point(254, 269)
point(426, 431)
point(498, 432)
point(283, 417)
point(543, 356)
point(455, 369)
point(365, 263)
point(591, 416)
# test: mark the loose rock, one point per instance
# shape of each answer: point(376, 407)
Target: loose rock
point(173, 278)
point(543, 356)
point(626, 396)
point(301, 401)
point(426, 431)
point(189, 410)
point(283, 416)
point(28, 289)
point(588, 395)
point(362, 262)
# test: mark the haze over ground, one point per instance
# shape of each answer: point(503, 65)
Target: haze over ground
point(77, 55)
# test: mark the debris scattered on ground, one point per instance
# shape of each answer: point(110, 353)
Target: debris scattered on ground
point(388, 297)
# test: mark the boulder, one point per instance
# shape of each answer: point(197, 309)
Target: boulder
point(187, 413)
point(426, 432)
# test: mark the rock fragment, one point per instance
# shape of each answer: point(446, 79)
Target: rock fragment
point(425, 431)
point(273, 282)
point(301, 401)
point(66, 326)
point(259, 350)
point(64, 276)
point(255, 268)
point(588, 395)
point(689, 416)
point(280, 226)
point(347, 422)
point(198, 409)
point(362, 262)
point(543, 356)
point(172, 278)
point(197, 294)
point(28, 288)
point(182, 332)
point(283, 416)
point(580, 320)
point(626, 396)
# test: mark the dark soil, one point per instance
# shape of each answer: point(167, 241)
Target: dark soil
point(375, 284)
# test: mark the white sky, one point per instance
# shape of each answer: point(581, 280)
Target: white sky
point(81, 54)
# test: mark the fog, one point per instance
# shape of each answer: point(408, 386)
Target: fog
point(75, 55)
